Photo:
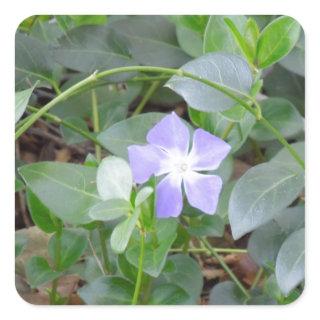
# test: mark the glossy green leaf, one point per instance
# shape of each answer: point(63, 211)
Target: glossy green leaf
point(151, 40)
point(91, 48)
point(41, 215)
point(223, 68)
point(121, 234)
point(127, 132)
point(127, 270)
point(110, 209)
point(67, 190)
point(190, 41)
point(155, 253)
point(168, 294)
point(107, 290)
point(33, 60)
point(260, 194)
point(21, 102)
point(72, 246)
point(206, 225)
point(290, 262)
point(226, 293)
point(276, 40)
point(114, 179)
point(185, 273)
point(70, 136)
point(197, 23)
point(283, 115)
point(218, 37)
point(39, 272)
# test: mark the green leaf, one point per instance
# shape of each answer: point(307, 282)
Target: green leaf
point(295, 60)
point(70, 136)
point(110, 209)
point(260, 194)
point(127, 270)
point(168, 294)
point(265, 242)
point(155, 253)
point(107, 290)
point(283, 83)
point(185, 273)
point(114, 179)
point(91, 48)
point(46, 31)
point(19, 185)
point(226, 293)
point(143, 195)
point(21, 101)
point(197, 23)
point(38, 272)
point(121, 234)
point(190, 41)
point(272, 289)
point(251, 34)
point(127, 132)
point(41, 215)
point(222, 68)
point(72, 246)
point(67, 190)
point(218, 37)
point(283, 115)
point(21, 241)
point(290, 262)
point(33, 60)
point(151, 40)
point(276, 40)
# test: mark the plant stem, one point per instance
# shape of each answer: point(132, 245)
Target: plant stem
point(104, 251)
point(227, 130)
point(146, 78)
point(257, 278)
point(58, 120)
point(57, 258)
point(205, 250)
point(95, 120)
point(140, 269)
point(230, 92)
point(154, 86)
point(225, 267)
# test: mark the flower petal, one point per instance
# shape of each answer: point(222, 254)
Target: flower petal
point(207, 151)
point(146, 161)
point(171, 134)
point(169, 196)
point(203, 191)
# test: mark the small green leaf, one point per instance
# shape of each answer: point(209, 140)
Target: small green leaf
point(107, 290)
point(41, 215)
point(67, 190)
point(38, 272)
point(260, 194)
point(290, 262)
point(114, 179)
point(217, 36)
point(168, 294)
point(20, 242)
point(206, 225)
point(122, 232)
point(143, 195)
point(19, 185)
point(72, 246)
point(155, 253)
point(276, 40)
point(283, 115)
point(21, 99)
point(225, 69)
point(110, 209)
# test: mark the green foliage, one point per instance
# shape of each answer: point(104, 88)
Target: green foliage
point(22, 98)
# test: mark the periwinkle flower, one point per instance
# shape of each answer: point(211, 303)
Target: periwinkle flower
point(168, 154)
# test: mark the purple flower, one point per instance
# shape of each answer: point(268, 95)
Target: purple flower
point(168, 153)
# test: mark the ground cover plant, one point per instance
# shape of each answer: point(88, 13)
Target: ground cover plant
point(159, 160)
